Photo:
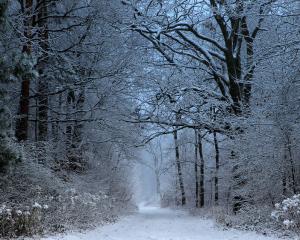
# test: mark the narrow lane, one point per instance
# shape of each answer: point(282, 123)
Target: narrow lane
point(153, 223)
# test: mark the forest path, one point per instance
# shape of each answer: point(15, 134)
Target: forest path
point(153, 223)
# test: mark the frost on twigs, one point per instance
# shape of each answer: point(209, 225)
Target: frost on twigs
point(40, 200)
point(20, 220)
point(287, 212)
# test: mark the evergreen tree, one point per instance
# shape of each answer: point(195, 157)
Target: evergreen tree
point(6, 154)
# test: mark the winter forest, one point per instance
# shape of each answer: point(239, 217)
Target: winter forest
point(150, 119)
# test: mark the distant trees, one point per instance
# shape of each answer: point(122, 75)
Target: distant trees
point(213, 62)
point(158, 163)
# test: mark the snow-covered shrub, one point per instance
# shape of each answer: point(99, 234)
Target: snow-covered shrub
point(249, 217)
point(43, 198)
point(21, 221)
point(79, 209)
point(288, 212)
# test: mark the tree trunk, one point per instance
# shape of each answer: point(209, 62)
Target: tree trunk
point(56, 119)
point(292, 165)
point(78, 128)
point(56, 107)
point(179, 169)
point(289, 178)
point(201, 179)
point(23, 112)
point(239, 181)
point(69, 127)
point(42, 111)
point(284, 189)
point(158, 188)
point(217, 168)
point(158, 171)
point(42, 64)
point(197, 200)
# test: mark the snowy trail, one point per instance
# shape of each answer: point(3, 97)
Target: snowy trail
point(153, 223)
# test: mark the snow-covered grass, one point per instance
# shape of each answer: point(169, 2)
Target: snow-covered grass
point(154, 223)
point(21, 221)
point(288, 212)
point(249, 218)
point(36, 199)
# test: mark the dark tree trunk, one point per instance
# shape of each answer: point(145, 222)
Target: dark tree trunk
point(42, 111)
point(56, 119)
point(239, 181)
point(179, 169)
point(78, 127)
point(23, 112)
point(249, 39)
point(74, 130)
point(42, 63)
point(22, 121)
point(201, 178)
point(197, 200)
point(284, 189)
point(217, 168)
point(69, 127)
point(292, 165)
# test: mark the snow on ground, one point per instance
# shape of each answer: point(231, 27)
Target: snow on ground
point(154, 223)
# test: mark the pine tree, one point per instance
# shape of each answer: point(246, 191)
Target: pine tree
point(6, 154)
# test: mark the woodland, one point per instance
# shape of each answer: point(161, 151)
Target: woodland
point(208, 90)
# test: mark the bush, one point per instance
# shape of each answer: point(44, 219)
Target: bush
point(70, 209)
point(250, 217)
point(16, 222)
point(80, 209)
point(39, 199)
point(287, 213)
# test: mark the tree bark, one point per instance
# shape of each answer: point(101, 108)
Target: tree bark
point(42, 64)
point(201, 178)
point(197, 200)
point(217, 158)
point(179, 169)
point(78, 127)
point(56, 119)
point(69, 127)
point(284, 188)
point(21, 131)
point(292, 165)
point(239, 182)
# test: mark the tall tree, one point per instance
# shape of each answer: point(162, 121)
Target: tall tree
point(217, 163)
point(179, 35)
point(42, 85)
point(202, 168)
point(6, 153)
point(23, 111)
point(179, 169)
point(196, 169)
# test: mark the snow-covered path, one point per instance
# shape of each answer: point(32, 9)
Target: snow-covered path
point(153, 223)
